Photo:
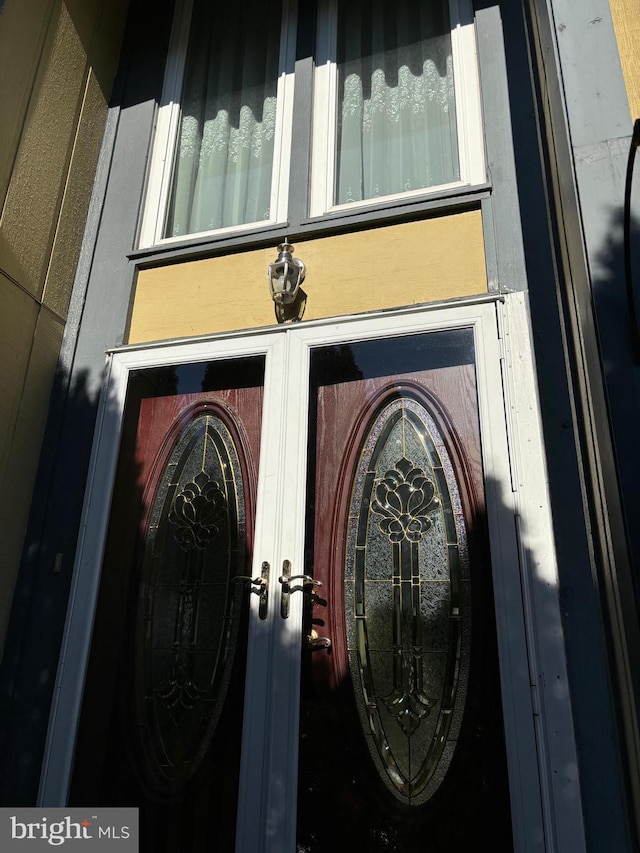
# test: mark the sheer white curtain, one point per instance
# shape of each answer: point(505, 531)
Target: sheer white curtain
point(396, 107)
point(224, 158)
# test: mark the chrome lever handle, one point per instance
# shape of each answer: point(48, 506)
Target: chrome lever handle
point(262, 584)
point(314, 642)
point(306, 579)
point(286, 579)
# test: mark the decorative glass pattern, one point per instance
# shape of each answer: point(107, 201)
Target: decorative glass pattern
point(407, 599)
point(194, 545)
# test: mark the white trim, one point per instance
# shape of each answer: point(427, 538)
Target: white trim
point(74, 654)
point(467, 88)
point(269, 754)
point(541, 754)
point(429, 307)
point(522, 759)
point(559, 780)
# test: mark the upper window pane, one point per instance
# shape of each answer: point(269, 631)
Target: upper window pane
point(223, 164)
point(396, 100)
point(395, 111)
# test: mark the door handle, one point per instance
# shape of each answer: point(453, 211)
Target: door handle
point(286, 578)
point(262, 584)
point(313, 642)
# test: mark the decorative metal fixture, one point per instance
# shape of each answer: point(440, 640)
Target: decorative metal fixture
point(285, 275)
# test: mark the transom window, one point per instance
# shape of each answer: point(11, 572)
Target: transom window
point(394, 112)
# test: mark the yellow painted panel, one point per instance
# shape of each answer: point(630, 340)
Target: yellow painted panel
point(24, 451)
point(626, 22)
point(408, 264)
point(39, 174)
point(23, 27)
point(68, 237)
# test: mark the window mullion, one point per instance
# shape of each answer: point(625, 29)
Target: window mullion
point(324, 110)
point(299, 177)
point(298, 204)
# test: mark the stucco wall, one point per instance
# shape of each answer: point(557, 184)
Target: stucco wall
point(626, 22)
point(57, 64)
point(406, 264)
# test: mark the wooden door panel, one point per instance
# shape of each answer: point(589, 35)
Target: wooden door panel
point(158, 414)
point(162, 713)
point(195, 538)
point(437, 674)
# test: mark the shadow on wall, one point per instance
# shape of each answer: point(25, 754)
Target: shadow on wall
point(156, 673)
point(101, 296)
point(41, 593)
point(553, 301)
point(108, 762)
point(614, 325)
point(99, 28)
point(343, 803)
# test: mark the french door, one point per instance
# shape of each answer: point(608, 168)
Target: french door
point(302, 554)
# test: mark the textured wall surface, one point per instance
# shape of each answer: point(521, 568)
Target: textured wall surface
point(57, 63)
point(626, 22)
point(431, 260)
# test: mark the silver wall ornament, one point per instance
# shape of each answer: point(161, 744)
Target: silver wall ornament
point(285, 275)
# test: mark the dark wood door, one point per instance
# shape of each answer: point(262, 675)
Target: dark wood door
point(401, 745)
point(162, 712)
point(401, 742)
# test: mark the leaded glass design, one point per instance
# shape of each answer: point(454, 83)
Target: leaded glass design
point(194, 546)
point(407, 599)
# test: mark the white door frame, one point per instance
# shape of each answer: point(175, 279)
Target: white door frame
point(541, 756)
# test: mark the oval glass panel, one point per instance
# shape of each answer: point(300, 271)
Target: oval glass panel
point(407, 599)
point(194, 545)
